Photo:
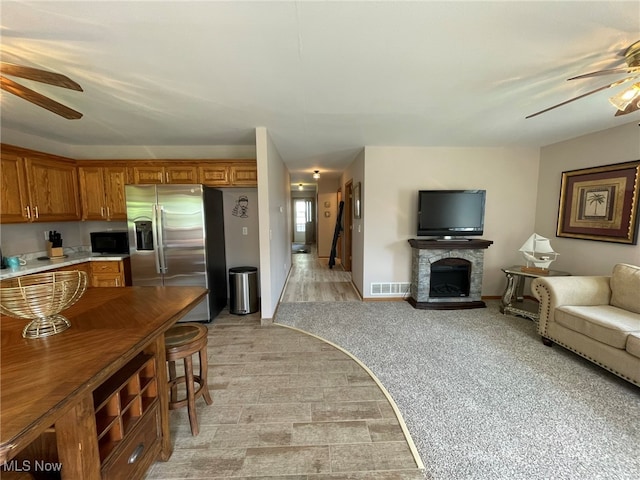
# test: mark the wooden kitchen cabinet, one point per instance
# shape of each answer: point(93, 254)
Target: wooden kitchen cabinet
point(214, 174)
point(38, 187)
point(83, 267)
point(127, 416)
point(14, 198)
point(110, 274)
point(102, 191)
point(231, 173)
point(163, 173)
point(244, 174)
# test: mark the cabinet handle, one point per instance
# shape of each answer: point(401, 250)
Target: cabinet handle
point(108, 213)
point(117, 282)
point(35, 211)
point(28, 209)
point(166, 176)
point(136, 453)
point(102, 211)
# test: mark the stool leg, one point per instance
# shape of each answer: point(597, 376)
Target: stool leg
point(203, 376)
point(173, 391)
point(191, 400)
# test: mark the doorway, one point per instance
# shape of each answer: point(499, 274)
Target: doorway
point(304, 229)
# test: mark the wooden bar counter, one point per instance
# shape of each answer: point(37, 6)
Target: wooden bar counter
point(97, 390)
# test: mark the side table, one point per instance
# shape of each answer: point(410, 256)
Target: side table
point(513, 293)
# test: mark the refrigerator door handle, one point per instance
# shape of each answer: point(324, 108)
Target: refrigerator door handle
point(154, 233)
point(163, 261)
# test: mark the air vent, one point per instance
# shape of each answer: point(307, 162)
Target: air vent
point(395, 289)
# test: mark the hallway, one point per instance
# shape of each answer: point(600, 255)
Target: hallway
point(311, 280)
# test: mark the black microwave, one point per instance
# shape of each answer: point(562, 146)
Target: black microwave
point(114, 241)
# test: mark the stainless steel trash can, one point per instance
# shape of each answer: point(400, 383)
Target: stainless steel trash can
point(243, 290)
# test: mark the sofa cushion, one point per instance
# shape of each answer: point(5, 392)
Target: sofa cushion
point(633, 344)
point(604, 323)
point(625, 285)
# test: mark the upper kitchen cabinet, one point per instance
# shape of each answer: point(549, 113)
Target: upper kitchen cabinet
point(38, 187)
point(232, 173)
point(163, 172)
point(244, 174)
point(102, 190)
point(14, 197)
point(214, 173)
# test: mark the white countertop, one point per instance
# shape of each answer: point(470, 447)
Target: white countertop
point(37, 266)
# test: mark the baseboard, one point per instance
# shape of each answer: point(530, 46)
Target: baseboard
point(384, 299)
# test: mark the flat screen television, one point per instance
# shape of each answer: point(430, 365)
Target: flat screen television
point(451, 213)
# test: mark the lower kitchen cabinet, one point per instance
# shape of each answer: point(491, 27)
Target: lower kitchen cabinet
point(115, 273)
point(110, 274)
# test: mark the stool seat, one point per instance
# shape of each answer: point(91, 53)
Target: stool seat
point(182, 341)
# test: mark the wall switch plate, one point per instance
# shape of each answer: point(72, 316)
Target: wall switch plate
point(245, 231)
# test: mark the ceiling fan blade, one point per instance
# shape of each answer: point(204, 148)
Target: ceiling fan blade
point(609, 71)
point(38, 75)
point(38, 99)
point(599, 89)
point(632, 107)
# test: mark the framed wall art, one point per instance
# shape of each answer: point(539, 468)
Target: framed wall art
point(600, 203)
point(357, 201)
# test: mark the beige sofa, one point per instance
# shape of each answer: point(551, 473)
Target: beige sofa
point(595, 317)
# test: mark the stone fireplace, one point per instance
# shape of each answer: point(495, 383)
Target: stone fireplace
point(447, 274)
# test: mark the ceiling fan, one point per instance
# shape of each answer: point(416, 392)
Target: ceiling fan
point(32, 96)
point(628, 100)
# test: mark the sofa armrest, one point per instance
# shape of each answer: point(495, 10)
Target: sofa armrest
point(554, 292)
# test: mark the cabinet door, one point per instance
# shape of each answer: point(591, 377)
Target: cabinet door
point(106, 280)
point(115, 179)
point(107, 274)
point(13, 194)
point(244, 174)
point(92, 193)
point(53, 188)
point(181, 174)
point(83, 267)
point(143, 174)
point(214, 175)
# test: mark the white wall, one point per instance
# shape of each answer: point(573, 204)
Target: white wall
point(327, 204)
point(241, 250)
point(274, 221)
point(356, 173)
point(392, 178)
point(584, 257)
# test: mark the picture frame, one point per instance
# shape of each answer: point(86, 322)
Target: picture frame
point(357, 201)
point(600, 203)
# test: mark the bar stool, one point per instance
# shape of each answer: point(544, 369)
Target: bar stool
point(181, 342)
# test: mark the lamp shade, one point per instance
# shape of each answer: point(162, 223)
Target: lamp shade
point(623, 99)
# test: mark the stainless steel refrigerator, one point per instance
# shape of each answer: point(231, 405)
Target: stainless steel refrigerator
point(176, 237)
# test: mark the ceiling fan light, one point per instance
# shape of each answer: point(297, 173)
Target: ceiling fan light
point(623, 99)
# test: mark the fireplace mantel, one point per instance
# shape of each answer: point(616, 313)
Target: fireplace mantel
point(447, 244)
point(427, 252)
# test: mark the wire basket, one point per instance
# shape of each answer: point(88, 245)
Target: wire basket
point(41, 297)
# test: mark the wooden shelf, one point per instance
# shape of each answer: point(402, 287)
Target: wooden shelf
point(122, 401)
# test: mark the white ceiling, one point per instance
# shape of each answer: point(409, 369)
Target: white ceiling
point(325, 78)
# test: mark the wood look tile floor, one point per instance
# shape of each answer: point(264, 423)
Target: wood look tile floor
point(286, 406)
point(311, 280)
